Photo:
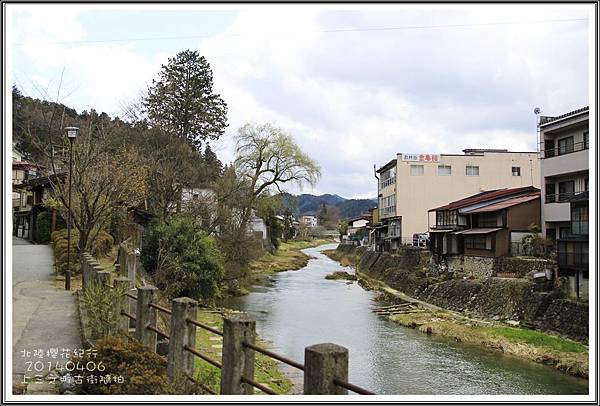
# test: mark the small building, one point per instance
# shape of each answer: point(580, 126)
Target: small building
point(308, 221)
point(573, 249)
point(488, 224)
point(358, 228)
point(413, 182)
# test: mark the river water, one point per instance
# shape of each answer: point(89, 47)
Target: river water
point(295, 309)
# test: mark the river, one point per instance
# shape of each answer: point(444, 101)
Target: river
point(295, 309)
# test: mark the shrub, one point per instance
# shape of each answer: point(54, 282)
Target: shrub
point(182, 259)
point(143, 371)
point(44, 224)
point(102, 244)
point(103, 314)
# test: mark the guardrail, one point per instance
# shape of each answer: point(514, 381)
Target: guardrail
point(325, 365)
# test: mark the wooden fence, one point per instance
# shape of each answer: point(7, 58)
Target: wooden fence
point(325, 365)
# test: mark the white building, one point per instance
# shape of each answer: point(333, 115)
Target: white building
point(308, 221)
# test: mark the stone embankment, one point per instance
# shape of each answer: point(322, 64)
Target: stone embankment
point(519, 300)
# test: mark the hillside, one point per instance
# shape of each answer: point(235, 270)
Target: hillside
point(311, 204)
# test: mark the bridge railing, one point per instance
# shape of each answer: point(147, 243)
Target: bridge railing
point(325, 365)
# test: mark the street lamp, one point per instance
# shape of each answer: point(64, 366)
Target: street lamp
point(72, 133)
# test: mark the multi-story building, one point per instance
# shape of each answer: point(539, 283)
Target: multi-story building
point(411, 184)
point(564, 143)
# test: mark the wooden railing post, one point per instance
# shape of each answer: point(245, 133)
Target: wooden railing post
point(123, 283)
point(146, 316)
point(238, 360)
point(322, 364)
point(182, 333)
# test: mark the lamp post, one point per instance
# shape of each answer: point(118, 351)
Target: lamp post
point(72, 133)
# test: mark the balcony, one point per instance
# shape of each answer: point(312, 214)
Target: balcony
point(566, 160)
point(561, 197)
point(573, 253)
point(387, 211)
point(554, 211)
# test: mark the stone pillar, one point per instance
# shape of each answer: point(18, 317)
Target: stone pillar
point(123, 283)
point(95, 269)
point(104, 278)
point(182, 334)
point(323, 363)
point(146, 316)
point(238, 360)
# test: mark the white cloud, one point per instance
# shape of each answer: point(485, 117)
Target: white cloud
point(354, 99)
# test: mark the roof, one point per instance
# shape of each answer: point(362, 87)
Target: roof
point(472, 231)
point(486, 196)
point(505, 203)
point(41, 181)
point(387, 166)
point(26, 164)
point(544, 120)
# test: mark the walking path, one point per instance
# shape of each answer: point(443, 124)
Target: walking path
point(44, 316)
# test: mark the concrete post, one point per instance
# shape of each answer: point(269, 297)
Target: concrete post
point(146, 316)
point(182, 334)
point(238, 360)
point(95, 269)
point(104, 278)
point(323, 363)
point(123, 283)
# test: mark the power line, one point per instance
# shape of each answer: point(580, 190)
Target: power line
point(328, 31)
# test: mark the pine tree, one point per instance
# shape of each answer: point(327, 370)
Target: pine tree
point(182, 101)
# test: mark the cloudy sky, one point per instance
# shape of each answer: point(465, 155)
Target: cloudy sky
point(353, 84)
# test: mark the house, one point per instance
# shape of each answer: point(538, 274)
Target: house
point(308, 221)
point(37, 190)
point(358, 228)
point(488, 224)
point(564, 142)
point(411, 183)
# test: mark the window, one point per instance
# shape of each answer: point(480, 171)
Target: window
point(444, 170)
point(388, 177)
point(387, 205)
point(580, 220)
point(550, 193)
point(516, 171)
point(446, 219)
point(565, 145)
point(566, 190)
point(586, 184)
point(586, 141)
point(417, 170)
point(486, 220)
point(472, 170)
point(478, 242)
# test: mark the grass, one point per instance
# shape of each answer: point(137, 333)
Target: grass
point(538, 339)
point(343, 258)
point(564, 354)
point(107, 262)
point(266, 369)
point(287, 258)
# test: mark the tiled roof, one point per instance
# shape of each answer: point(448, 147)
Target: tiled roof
point(505, 203)
point(547, 119)
point(485, 196)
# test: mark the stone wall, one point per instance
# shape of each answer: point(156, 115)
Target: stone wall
point(567, 317)
point(520, 266)
point(536, 303)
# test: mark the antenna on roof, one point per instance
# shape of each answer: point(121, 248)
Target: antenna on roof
point(537, 111)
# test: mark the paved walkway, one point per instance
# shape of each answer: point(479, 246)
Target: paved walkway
point(44, 316)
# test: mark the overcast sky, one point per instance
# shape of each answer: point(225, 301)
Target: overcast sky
point(353, 85)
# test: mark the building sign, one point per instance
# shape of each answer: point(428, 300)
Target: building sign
point(421, 157)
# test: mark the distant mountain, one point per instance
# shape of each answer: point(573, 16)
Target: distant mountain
point(307, 204)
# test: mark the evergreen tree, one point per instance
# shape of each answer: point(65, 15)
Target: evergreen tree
point(213, 166)
point(182, 101)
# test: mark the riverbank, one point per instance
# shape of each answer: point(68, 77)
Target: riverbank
point(561, 353)
point(288, 257)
